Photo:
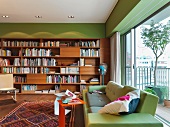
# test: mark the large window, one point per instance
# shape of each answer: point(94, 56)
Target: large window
point(139, 60)
point(142, 63)
point(145, 58)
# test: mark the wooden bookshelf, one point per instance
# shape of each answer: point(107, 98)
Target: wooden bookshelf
point(44, 64)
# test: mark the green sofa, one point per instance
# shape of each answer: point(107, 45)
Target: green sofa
point(142, 117)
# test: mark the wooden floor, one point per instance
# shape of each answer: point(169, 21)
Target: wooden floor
point(7, 105)
point(163, 112)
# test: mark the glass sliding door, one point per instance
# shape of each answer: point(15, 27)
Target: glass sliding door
point(129, 55)
point(138, 63)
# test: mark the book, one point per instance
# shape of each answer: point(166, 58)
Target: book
point(94, 83)
point(69, 93)
point(63, 70)
point(44, 91)
point(81, 61)
point(88, 65)
point(94, 80)
point(74, 101)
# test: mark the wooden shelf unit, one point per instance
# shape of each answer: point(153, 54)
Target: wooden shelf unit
point(44, 64)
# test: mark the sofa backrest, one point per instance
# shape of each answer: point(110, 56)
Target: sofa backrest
point(113, 90)
point(147, 104)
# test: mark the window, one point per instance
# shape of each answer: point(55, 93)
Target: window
point(140, 60)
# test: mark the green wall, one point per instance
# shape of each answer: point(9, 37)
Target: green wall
point(126, 15)
point(129, 13)
point(52, 30)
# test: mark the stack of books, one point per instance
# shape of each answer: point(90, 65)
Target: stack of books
point(94, 81)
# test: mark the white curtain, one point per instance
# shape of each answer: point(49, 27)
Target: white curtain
point(115, 66)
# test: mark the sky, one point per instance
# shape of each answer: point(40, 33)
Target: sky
point(141, 50)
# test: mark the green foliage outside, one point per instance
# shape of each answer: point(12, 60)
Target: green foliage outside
point(149, 90)
point(156, 37)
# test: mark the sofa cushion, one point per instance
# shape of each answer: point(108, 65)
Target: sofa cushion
point(134, 100)
point(113, 90)
point(97, 100)
point(123, 105)
point(127, 89)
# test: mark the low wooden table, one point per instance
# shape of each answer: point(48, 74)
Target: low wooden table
point(62, 111)
point(10, 89)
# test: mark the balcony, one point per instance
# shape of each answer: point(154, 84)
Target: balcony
point(144, 77)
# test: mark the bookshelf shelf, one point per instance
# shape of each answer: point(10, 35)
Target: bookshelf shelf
point(10, 56)
point(51, 64)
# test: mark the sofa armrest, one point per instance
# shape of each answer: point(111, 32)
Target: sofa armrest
point(98, 87)
point(148, 103)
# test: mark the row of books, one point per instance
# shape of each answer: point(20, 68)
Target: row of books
point(52, 91)
point(43, 62)
point(19, 79)
point(90, 43)
point(46, 91)
point(22, 70)
point(38, 62)
point(72, 43)
point(16, 62)
point(5, 52)
point(36, 52)
point(91, 81)
point(90, 52)
point(34, 88)
point(50, 43)
point(62, 79)
point(20, 43)
point(4, 62)
point(29, 87)
point(26, 52)
point(42, 70)
point(69, 70)
point(81, 62)
point(47, 52)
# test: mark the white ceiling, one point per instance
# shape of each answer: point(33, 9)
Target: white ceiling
point(56, 11)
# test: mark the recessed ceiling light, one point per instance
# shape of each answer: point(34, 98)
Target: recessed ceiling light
point(5, 16)
point(38, 16)
point(71, 16)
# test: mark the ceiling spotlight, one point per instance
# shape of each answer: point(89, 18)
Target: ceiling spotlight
point(70, 16)
point(38, 16)
point(5, 16)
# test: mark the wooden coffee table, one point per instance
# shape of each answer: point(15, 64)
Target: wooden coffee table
point(62, 111)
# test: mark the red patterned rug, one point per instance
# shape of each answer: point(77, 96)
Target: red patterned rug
point(35, 114)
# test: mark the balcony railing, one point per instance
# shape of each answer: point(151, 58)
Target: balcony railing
point(145, 77)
